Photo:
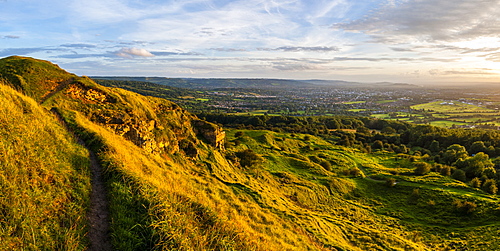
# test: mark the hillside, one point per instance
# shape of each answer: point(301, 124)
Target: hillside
point(177, 182)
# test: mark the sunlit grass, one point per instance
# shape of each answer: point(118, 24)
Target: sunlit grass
point(44, 179)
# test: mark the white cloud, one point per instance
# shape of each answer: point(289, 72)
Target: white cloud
point(430, 20)
point(131, 52)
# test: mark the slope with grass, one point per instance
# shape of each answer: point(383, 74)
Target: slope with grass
point(44, 179)
point(175, 182)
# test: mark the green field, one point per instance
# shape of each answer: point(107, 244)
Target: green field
point(353, 102)
point(385, 101)
point(448, 113)
point(447, 107)
point(357, 110)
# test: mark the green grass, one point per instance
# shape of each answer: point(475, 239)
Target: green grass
point(357, 110)
point(385, 101)
point(380, 115)
point(447, 107)
point(446, 123)
point(353, 102)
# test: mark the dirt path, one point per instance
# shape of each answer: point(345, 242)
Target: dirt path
point(98, 214)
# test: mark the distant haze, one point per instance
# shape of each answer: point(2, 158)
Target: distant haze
point(412, 41)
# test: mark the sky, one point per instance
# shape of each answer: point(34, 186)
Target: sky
point(407, 41)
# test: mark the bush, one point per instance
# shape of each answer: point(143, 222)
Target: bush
point(459, 175)
point(490, 186)
point(326, 165)
point(390, 182)
point(248, 158)
point(476, 182)
point(422, 168)
point(445, 170)
point(465, 207)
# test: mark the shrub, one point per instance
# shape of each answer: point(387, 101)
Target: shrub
point(465, 207)
point(445, 170)
point(248, 158)
point(354, 172)
point(476, 182)
point(422, 168)
point(326, 165)
point(490, 186)
point(459, 175)
point(390, 182)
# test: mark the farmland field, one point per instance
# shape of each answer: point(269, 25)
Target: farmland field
point(449, 113)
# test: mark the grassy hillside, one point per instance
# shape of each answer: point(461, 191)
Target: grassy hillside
point(174, 182)
point(44, 179)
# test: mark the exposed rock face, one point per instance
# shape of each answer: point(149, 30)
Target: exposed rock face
point(140, 132)
point(85, 93)
point(211, 132)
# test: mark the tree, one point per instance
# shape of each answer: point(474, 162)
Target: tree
point(434, 147)
point(378, 144)
point(478, 165)
point(454, 153)
point(445, 170)
point(476, 182)
point(477, 147)
point(490, 186)
point(388, 130)
point(422, 168)
point(248, 157)
point(459, 174)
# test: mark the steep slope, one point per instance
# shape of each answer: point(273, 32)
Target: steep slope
point(44, 179)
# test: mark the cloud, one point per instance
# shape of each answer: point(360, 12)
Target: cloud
point(429, 20)
point(79, 46)
point(227, 49)
point(302, 48)
point(76, 55)
point(494, 57)
point(481, 71)
point(169, 53)
point(24, 51)
point(10, 37)
point(132, 52)
point(398, 49)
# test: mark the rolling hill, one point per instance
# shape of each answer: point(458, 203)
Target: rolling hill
point(176, 182)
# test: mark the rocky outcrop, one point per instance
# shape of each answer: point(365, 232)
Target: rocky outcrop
point(90, 95)
point(210, 132)
point(140, 132)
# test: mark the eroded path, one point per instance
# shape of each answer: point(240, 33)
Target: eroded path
point(98, 215)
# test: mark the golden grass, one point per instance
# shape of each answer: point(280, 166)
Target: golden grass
point(211, 204)
point(44, 179)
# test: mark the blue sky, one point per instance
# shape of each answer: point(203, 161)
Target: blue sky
point(412, 41)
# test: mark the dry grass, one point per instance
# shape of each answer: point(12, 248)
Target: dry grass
point(44, 181)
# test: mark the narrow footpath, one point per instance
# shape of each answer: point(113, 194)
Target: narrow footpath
point(98, 214)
